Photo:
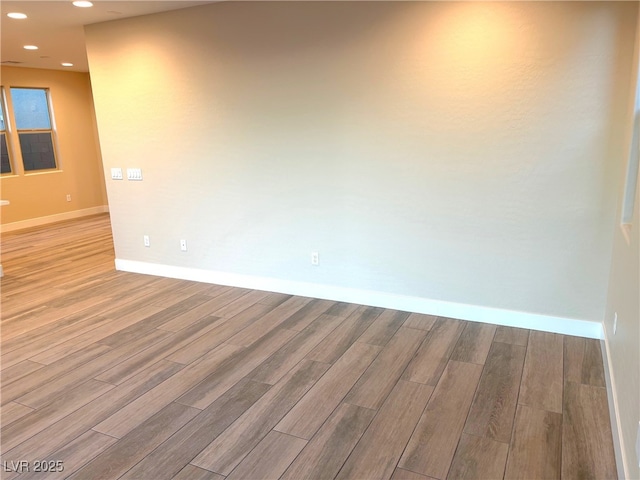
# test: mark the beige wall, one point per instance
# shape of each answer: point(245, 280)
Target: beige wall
point(461, 152)
point(624, 298)
point(37, 195)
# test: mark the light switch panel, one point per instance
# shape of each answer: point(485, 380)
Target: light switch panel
point(116, 174)
point(134, 174)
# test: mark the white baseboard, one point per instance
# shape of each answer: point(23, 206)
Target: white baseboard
point(36, 222)
point(474, 313)
point(614, 416)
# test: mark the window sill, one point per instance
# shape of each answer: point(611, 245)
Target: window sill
point(42, 172)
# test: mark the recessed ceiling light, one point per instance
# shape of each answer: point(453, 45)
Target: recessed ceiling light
point(82, 3)
point(30, 47)
point(17, 15)
point(66, 64)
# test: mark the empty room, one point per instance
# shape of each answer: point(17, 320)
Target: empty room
point(320, 240)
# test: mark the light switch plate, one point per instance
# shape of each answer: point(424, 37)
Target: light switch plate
point(116, 174)
point(134, 174)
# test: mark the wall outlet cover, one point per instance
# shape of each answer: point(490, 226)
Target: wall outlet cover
point(638, 445)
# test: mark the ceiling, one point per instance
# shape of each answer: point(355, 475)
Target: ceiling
point(56, 27)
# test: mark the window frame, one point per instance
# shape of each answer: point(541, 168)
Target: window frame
point(52, 131)
point(7, 133)
point(632, 174)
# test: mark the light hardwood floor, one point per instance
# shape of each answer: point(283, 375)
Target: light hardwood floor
point(120, 375)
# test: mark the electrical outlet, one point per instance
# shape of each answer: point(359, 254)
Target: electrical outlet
point(315, 259)
point(615, 322)
point(183, 245)
point(116, 174)
point(68, 197)
point(638, 445)
point(147, 242)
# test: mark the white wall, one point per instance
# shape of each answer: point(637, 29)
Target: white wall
point(461, 152)
point(623, 347)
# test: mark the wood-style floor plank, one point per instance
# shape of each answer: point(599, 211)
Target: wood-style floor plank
point(434, 441)
point(24, 385)
point(315, 407)
point(478, 458)
point(536, 445)
point(219, 334)
point(474, 343)
point(402, 474)
point(182, 447)
point(378, 380)
point(152, 322)
point(384, 327)
point(341, 339)
point(306, 315)
point(240, 304)
point(268, 322)
point(46, 393)
point(206, 309)
point(278, 364)
point(136, 363)
point(270, 458)
point(190, 472)
point(12, 411)
point(63, 329)
point(134, 446)
point(183, 289)
point(342, 309)
point(75, 455)
point(542, 376)
point(36, 421)
point(60, 433)
point(420, 321)
point(40, 345)
point(151, 402)
point(274, 299)
point(377, 453)
point(230, 448)
point(233, 369)
point(583, 361)
point(94, 336)
point(19, 370)
point(325, 454)
point(12, 389)
point(586, 434)
point(494, 405)
point(433, 355)
point(515, 336)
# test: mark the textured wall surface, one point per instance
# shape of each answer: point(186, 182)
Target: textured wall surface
point(80, 173)
point(624, 293)
point(452, 151)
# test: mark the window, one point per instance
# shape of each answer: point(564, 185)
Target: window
point(33, 123)
point(4, 150)
point(631, 181)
